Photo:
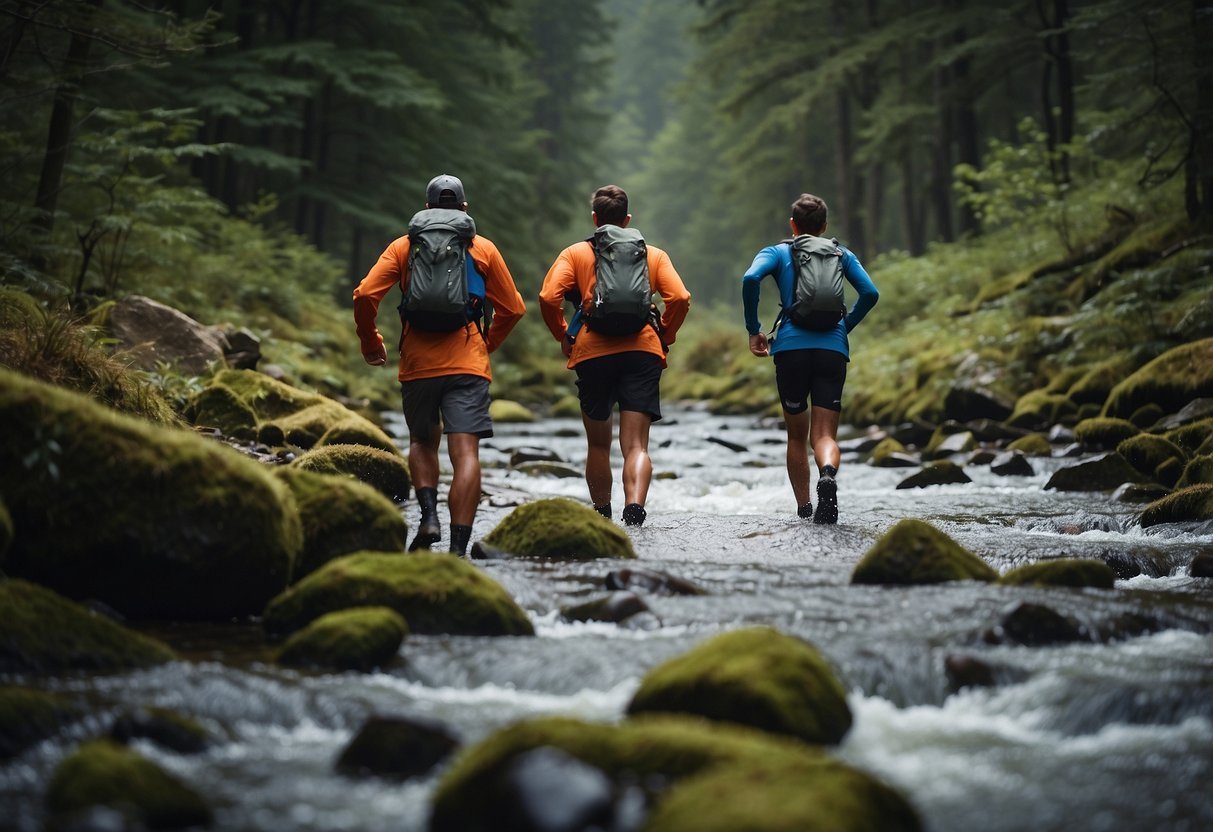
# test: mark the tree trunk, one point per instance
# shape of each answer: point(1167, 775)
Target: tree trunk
point(1057, 75)
point(968, 147)
point(1202, 36)
point(941, 159)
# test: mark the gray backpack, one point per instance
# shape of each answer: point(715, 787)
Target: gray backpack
point(621, 299)
point(817, 301)
point(438, 297)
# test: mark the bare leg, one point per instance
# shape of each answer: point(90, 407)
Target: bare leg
point(798, 454)
point(464, 451)
point(634, 443)
point(598, 459)
point(824, 438)
point(423, 459)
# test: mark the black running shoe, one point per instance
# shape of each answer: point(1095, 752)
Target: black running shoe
point(827, 501)
point(805, 512)
point(634, 514)
point(428, 533)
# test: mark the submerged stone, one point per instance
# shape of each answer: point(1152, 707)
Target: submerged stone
point(915, 552)
point(616, 607)
point(1070, 572)
point(396, 748)
point(558, 527)
point(361, 638)
point(1034, 625)
point(652, 581)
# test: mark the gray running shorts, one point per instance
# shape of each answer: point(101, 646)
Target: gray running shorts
point(454, 404)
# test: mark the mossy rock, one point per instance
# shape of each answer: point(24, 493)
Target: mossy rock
point(167, 728)
point(435, 592)
point(1193, 438)
point(1169, 472)
point(1146, 415)
point(387, 473)
point(1147, 451)
point(1102, 473)
point(505, 412)
point(1192, 503)
point(1198, 471)
point(357, 432)
point(1205, 447)
point(757, 677)
point(662, 752)
point(340, 516)
point(1097, 382)
point(396, 748)
point(949, 439)
point(103, 773)
point(1172, 380)
point(915, 552)
point(943, 472)
point(1072, 572)
point(558, 527)
point(361, 638)
point(42, 632)
point(28, 716)
point(1034, 444)
point(884, 448)
point(566, 407)
point(217, 406)
point(6, 530)
point(154, 521)
point(1039, 409)
point(1104, 433)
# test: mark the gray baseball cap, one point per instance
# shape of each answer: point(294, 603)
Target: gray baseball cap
point(444, 191)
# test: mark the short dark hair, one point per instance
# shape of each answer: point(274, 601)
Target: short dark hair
point(610, 203)
point(809, 213)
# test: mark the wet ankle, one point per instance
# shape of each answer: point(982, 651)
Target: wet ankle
point(828, 471)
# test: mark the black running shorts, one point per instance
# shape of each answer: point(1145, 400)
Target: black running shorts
point(631, 379)
point(460, 401)
point(810, 375)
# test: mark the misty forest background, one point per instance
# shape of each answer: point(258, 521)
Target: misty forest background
point(1030, 183)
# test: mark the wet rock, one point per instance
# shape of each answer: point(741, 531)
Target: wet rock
point(522, 455)
point(150, 333)
point(913, 434)
point(863, 444)
point(971, 672)
point(1139, 492)
point(981, 456)
point(547, 790)
point(362, 638)
point(1142, 561)
point(396, 748)
point(652, 581)
point(1201, 566)
point(1193, 411)
point(1102, 473)
point(724, 443)
point(387, 473)
point(1032, 445)
point(897, 460)
point(483, 551)
point(1034, 625)
point(28, 716)
point(967, 401)
point(757, 677)
point(504, 411)
point(1012, 464)
point(915, 552)
point(243, 349)
point(1194, 503)
point(1077, 523)
point(943, 472)
point(1069, 572)
point(1104, 433)
point(1072, 450)
point(549, 469)
point(166, 728)
point(1128, 625)
point(616, 607)
point(1060, 435)
point(988, 430)
point(954, 433)
point(558, 527)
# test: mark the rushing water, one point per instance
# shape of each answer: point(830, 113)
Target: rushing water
point(1090, 735)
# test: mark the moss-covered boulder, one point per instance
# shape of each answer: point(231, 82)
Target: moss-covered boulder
point(385, 472)
point(435, 592)
point(28, 716)
point(1147, 451)
point(218, 406)
point(1169, 471)
point(558, 527)
point(397, 748)
point(915, 552)
point(943, 472)
point(1104, 433)
point(757, 677)
point(505, 412)
point(42, 632)
point(666, 753)
point(1192, 503)
point(1034, 444)
point(324, 423)
point(1072, 572)
point(1093, 386)
point(1198, 471)
point(341, 515)
point(1146, 415)
point(6, 530)
point(1172, 380)
point(103, 773)
point(154, 521)
point(361, 638)
point(883, 449)
point(1039, 409)
point(1106, 472)
point(1192, 438)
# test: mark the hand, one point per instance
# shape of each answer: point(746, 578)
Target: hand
point(376, 359)
point(759, 345)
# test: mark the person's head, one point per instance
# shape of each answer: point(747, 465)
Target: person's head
point(609, 205)
point(809, 215)
point(445, 191)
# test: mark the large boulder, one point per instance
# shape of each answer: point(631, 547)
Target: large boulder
point(1071, 572)
point(1147, 451)
point(361, 638)
point(943, 472)
point(385, 472)
point(757, 677)
point(435, 592)
point(156, 522)
point(152, 333)
point(1106, 472)
point(558, 527)
point(1192, 503)
point(1198, 471)
point(1173, 380)
point(42, 632)
point(915, 552)
point(396, 747)
point(341, 515)
point(1104, 433)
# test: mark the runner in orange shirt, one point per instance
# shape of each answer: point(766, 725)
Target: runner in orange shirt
point(444, 376)
point(614, 369)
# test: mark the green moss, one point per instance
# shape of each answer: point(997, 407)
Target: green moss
point(1097, 382)
point(29, 716)
point(6, 530)
point(41, 632)
point(357, 432)
point(558, 527)
point(386, 473)
point(361, 638)
point(1039, 409)
point(1192, 503)
point(1070, 572)
point(267, 397)
point(1147, 451)
point(1146, 415)
point(1104, 433)
point(884, 449)
point(504, 411)
point(217, 406)
point(102, 773)
point(915, 552)
point(1034, 444)
point(340, 516)
point(1199, 471)
point(153, 521)
point(757, 677)
point(435, 592)
point(1172, 380)
point(1192, 438)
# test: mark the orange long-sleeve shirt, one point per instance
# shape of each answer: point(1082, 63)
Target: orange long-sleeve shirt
point(574, 269)
point(430, 354)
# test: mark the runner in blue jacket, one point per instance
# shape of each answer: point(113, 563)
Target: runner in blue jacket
point(810, 366)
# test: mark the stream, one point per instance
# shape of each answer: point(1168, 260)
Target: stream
point(1092, 735)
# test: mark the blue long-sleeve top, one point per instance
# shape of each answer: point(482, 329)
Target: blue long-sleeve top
point(776, 260)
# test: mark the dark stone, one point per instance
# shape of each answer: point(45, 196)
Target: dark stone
point(1202, 566)
point(981, 456)
point(1012, 464)
point(152, 332)
point(967, 672)
point(1129, 625)
point(937, 473)
point(955, 443)
point(485, 551)
point(732, 446)
point(916, 433)
point(547, 790)
point(1060, 435)
point(651, 581)
point(616, 607)
point(988, 430)
point(243, 350)
point(1139, 492)
point(522, 455)
point(1131, 564)
point(1102, 473)
point(861, 444)
point(396, 747)
point(966, 401)
point(165, 728)
point(897, 459)
point(1074, 449)
point(1034, 625)
point(1193, 411)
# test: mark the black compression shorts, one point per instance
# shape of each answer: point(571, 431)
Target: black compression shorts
point(633, 379)
point(810, 375)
